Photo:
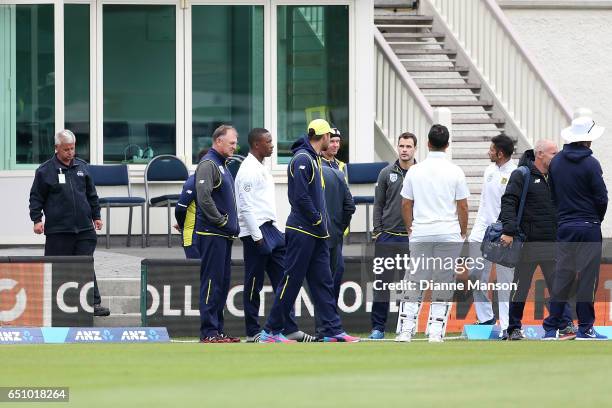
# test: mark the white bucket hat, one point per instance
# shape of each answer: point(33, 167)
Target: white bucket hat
point(583, 129)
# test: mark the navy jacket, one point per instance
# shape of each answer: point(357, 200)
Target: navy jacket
point(340, 204)
point(578, 187)
point(216, 213)
point(69, 208)
point(185, 211)
point(305, 191)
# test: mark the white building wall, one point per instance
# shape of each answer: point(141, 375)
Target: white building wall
point(572, 47)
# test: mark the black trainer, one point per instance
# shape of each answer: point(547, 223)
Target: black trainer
point(504, 335)
point(516, 334)
point(100, 310)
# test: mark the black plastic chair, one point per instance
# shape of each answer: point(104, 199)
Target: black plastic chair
point(163, 169)
point(116, 176)
point(365, 173)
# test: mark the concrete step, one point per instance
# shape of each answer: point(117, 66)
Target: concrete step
point(471, 162)
point(382, 12)
point(428, 60)
point(394, 4)
point(475, 189)
point(394, 28)
point(459, 144)
point(490, 121)
point(427, 68)
point(415, 43)
point(474, 179)
point(472, 170)
point(122, 304)
point(475, 154)
point(435, 34)
point(442, 103)
point(403, 18)
point(119, 286)
point(411, 51)
point(118, 320)
point(473, 203)
point(422, 78)
point(450, 86)
point(487, 130)
point(451, 95)
point(477, 112)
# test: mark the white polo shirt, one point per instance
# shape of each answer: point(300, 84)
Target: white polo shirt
point(495, 181)
point(435, 184)
point(254, 197)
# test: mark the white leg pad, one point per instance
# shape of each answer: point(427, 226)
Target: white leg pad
point(407, 317)
point(438, 317)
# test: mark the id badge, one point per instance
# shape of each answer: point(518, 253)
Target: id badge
point(61, 178)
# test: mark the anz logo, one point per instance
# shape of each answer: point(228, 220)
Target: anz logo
point(15, 336)
point(134, 335)
point(88, 335)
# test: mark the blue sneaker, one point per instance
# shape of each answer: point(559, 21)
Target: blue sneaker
point(377, 335)
point(550, 335)
point(266, 337)
point(341, 338)
point(590, 334)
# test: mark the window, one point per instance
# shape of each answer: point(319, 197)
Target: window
point(34, 97)
point(76, 75)
point(227, 73)
point(139, 82)
point(313, 73)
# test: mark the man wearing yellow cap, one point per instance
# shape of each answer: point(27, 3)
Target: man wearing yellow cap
point(307, 253)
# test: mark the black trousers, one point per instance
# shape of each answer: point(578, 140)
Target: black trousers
point(83, 243)
point(523, 274)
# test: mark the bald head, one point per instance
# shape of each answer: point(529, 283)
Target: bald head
point(544, 152)
point(544, 144)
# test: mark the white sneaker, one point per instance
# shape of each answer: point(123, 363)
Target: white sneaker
point(436, 339)
point(404, 337)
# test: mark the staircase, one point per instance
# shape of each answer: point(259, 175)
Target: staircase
point(444, 83)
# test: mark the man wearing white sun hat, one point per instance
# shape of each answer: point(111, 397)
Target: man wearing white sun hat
point(581, 198)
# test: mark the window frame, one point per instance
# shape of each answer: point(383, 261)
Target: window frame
point(188, 69)
point(280, 170)
point(183, 78)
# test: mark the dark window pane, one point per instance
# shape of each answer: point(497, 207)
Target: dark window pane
point(35, 84)
point(313, 75)
point(76, 75)
point(139, 82)
point(228, 72)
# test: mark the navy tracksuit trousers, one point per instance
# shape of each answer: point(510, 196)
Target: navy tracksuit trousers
point(387, 245)
point(336, 264)
point(193, 251)
point(578, 261)
point(270, 258)
point(215, 272)
point(306, 257)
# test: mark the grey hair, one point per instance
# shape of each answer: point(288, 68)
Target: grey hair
point(64, 136)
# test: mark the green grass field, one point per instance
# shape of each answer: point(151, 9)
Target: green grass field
point(455, 373)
